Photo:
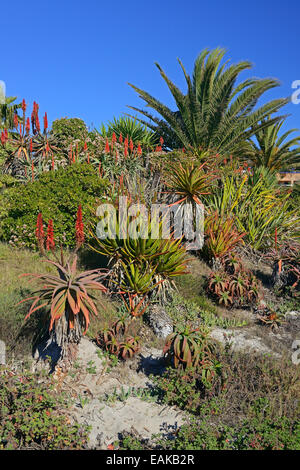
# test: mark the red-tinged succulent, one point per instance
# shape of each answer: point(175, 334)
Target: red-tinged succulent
point(135, 307)
point(187, 346)
point(221, 236)
point(129, 347)
point(68, 298)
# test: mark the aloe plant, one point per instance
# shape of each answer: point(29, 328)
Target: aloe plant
point(69, 300)
point(188, 346)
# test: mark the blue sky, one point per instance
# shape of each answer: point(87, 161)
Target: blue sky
point(75, 57)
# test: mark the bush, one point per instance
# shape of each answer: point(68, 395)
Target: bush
point(57, 195)
point(32, 415)
point(69, 129)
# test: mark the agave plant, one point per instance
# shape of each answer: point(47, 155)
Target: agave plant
point(187, 346)
point(69, 300)
point(215, 113)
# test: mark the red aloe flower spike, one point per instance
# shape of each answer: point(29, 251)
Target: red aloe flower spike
point(2, 138)
point(125, 152)
point(27, 127)
point(131, 145)
point(23, 105)
point(106, 146)
point(50, 244)
point(16, 121)
point(6, 134)
point(114, 138)
point(161, 140)
point(139, 150)
point(85, 146)
point(30, 145)
point(158, 148)
point(126, 142)
point(37, 123)
point(70, 153)
point(79, 228)
point(121, 138)
point(45, 122)
point(39, 231)
point(52, 162)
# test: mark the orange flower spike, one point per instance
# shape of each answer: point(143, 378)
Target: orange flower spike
point(107, 146)
point(131, 145)
point(139, 150)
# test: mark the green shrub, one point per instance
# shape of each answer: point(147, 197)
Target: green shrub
point(33, 415)
point(69, 129)
point(57, 195)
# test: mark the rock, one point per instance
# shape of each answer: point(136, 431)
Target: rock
point(239, 341)
point(292, 315)
point(160, 322)
point(2, 353)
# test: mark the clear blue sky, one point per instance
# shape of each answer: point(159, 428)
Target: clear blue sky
point(75, 57)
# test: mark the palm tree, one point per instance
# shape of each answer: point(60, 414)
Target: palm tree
point(215, 113)
point(274, 152)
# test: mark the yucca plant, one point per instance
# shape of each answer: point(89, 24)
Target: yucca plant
point(215, 113)
point(69, 300)
point(188, 346)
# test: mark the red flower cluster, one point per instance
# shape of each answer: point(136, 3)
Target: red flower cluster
point(35, 118)
point(23, 106)
point(79, 228)
point(4, 137)
point(45, 122)
point(50, 244)
point(39, 231)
